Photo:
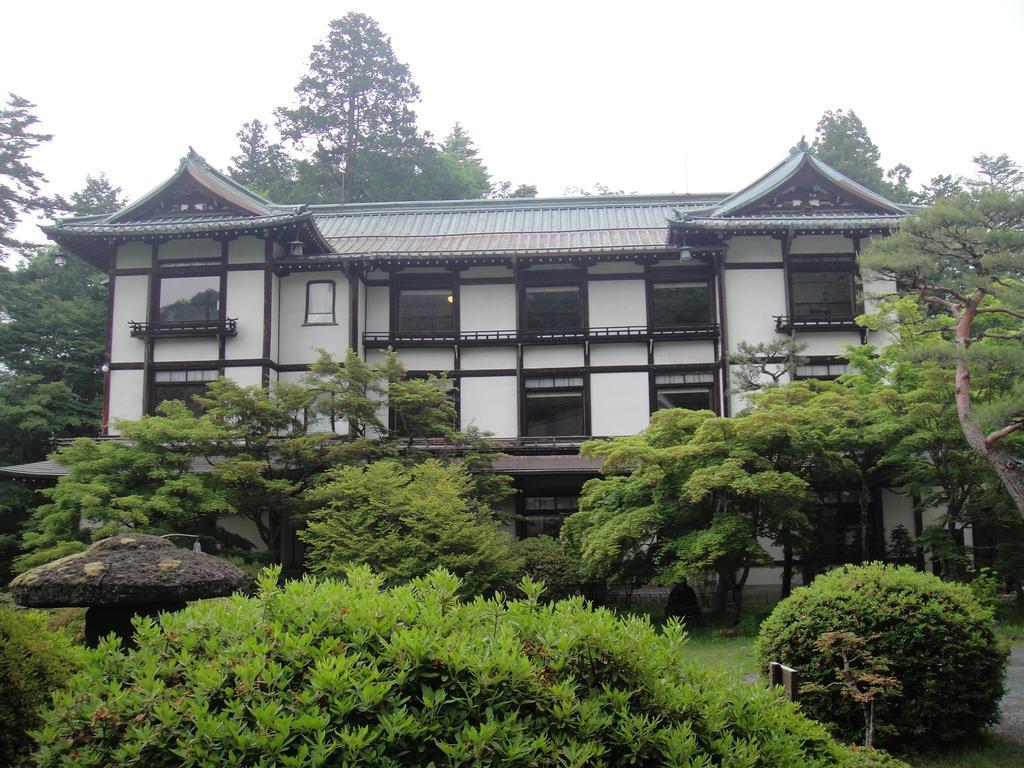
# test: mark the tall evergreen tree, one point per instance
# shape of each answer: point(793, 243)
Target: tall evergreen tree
point(355, 101)
point(99, 195)
point(842, 141)
point(262, 165)
point(19, 181)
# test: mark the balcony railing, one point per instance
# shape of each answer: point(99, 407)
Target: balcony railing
point(789, 324)
point(185, 328)
point(480, 338)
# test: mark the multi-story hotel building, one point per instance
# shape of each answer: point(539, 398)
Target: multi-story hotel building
point(558, 319)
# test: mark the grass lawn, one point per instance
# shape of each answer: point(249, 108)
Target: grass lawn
point(989, 752)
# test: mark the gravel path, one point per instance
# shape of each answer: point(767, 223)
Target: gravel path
point(1012, 725)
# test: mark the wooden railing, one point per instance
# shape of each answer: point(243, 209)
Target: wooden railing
point(556, 336)
point(185, 328)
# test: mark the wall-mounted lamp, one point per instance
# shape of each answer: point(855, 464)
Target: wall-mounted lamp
point(59, 259)
point(451, 299)
point(686, 254)
point(295, 248)
point(105, 368)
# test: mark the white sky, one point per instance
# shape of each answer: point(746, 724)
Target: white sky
point(643, 96)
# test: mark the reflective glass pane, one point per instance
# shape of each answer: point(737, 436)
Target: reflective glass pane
point(822, 294)
point(690, 399)
point(189, 298)
point(677, 304)
point(552, 308)
point(320, 303)
point(426, 311)
point(553, 414)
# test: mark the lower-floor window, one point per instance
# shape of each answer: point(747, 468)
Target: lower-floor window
point(826, 369)
point(837, 529)
point(691, 391)
point(180, 385)
point(554, 406)
point(544, 515)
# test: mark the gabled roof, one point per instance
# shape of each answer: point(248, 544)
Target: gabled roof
point(195, 172)
point(802, 163)
point(800, 194)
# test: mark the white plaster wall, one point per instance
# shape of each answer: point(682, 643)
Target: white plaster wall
point(126, 390)
point(248, 376)
point(246, 250)
point(747, 249)
point(619, 403)
point(617, 302)
point(134, 256)
point(189, 249)
point(487, 307)
point(490, 403)
point(419, 359)
point(131, 302)
point(752, 297)
point(616, 268)
point(484, 358)
point(683, 352)
point(275, 318)
point(475, 272)
point(897, 509)
point(186, 350)
point(244, 301)
point(618, 354)
point(244, 527)
point(558, 356)
point(377, 308)
point(821, 244)
point(874, 287)
point(360, 324)
point(299, 343)
point(827, 343)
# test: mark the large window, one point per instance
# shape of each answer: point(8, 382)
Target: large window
point(552, 308)
point(691, 391)
point(426, 310)
point(180, 385)
point(680, 304)
point(320, 302)
point(824, 287)
point(555, 406)
point(826, 368)
point(544, 515)
point(189, 298)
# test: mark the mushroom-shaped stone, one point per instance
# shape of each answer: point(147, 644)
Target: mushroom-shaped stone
point(126, 575)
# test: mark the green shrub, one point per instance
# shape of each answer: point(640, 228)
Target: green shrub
point(33, 662)
point(347, 673)
point(940, 644)
point(545, 559)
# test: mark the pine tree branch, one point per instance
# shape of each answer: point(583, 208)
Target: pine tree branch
point(1002, 310)
point(998, 335)
point(999, 434)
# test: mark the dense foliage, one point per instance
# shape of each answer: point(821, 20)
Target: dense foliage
point(962, 260)
point(939, 643)
point(33, 662)
point(404, 522)
point(344, 673)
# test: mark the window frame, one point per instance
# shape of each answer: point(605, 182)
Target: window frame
point(334, 303)
point(829, 361)
point(702, 279)
point(554, 280)
point(154, 385)
point(178, 273)
point(711, 387)
point(423, 283)
point(523, 515)
point(582, 389)
point(840, 263)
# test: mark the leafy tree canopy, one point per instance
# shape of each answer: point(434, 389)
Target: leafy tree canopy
point(404, 522)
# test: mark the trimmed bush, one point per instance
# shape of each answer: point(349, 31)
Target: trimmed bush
point(33, 662)
point(939, 641)
point(546, 560)
point(347, 673)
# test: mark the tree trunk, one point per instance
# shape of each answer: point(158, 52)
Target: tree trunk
point(864, 502)
point(787, 570)
point(1004, 465)
point(721, 593)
